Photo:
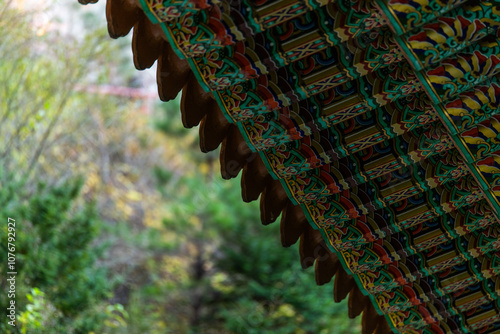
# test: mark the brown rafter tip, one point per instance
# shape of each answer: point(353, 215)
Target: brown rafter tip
point(214, 127)
point(357, 302)
point(195, 102)
point(253, 179)
point(234, 154)
point(172, 73)
point(293, 224)
point(272, 202)
point(382, 326)
point(305, 261)
point(369, 320)
point(343, 285)
point(259, 167)
point(121, 16)
point(250, 190)
point(147, 43)
point(326, 268)
point(311, 247)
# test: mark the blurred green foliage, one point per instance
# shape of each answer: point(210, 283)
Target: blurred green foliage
point(122, 225)
point(53, 257)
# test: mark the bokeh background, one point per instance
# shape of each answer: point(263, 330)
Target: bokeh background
point(122, 224)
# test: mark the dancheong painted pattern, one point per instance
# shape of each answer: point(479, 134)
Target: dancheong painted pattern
point(372, 126)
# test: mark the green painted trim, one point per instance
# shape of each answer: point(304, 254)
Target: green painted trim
point(325, 237)
point(393, 21)
point(310, 219)
point(244, 133)
point(268, 166)
point(410, 55)
point(428, 88)
point(391, 324)
point(166, 30)
point(222, 107)
point(291, 197)
point(149, 13)
point(196, 71)
point(341, 259)
point(469, 160)
point(375, 304)
point(172, 41)
point(168, 33)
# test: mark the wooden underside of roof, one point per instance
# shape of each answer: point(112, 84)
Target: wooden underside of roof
point(379, 118)
point(199, 108)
